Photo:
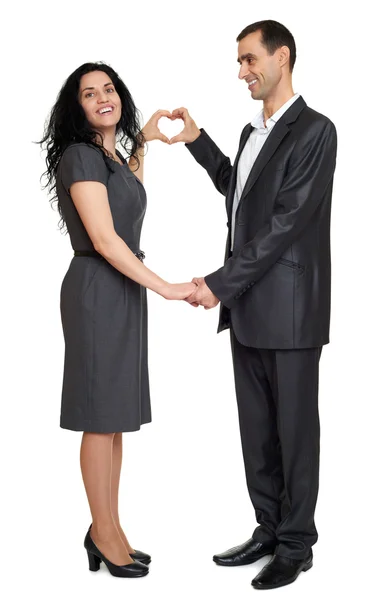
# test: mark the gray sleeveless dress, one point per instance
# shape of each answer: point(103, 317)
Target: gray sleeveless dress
point(103, 312)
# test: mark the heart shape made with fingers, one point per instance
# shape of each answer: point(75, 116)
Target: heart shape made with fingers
point(170, 126)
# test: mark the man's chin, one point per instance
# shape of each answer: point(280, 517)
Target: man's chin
point(256, 95)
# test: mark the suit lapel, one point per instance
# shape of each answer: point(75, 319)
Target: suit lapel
point(275, 137)
point(278, 133)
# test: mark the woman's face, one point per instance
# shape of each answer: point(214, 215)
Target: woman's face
point(100, 101)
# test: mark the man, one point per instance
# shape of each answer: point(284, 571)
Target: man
point(275, 293)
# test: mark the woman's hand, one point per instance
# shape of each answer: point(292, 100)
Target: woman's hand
point(151, 130)
point(178, 291)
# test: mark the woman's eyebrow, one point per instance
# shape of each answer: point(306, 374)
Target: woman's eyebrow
point(92, 88)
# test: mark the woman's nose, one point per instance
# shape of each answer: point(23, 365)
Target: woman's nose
point(102, 96)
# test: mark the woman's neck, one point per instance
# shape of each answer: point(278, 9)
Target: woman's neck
point(109, 140)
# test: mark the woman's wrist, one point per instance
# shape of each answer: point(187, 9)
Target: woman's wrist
point(145, 138)
point(162, 288)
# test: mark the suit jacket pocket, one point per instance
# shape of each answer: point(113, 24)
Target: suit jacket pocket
point(291, 264)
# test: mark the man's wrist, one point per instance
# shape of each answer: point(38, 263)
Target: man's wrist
point(195, 138)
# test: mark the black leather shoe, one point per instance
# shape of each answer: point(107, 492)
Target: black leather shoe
point(135, 569)
point(281, 571)
point(142, 557)
point(246, 554)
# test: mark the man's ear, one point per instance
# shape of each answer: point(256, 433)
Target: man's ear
point(284, 55)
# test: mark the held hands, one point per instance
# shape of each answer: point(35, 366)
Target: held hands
point(189, 133)
point(178, 291)
point(202, 295)
point(196, 293)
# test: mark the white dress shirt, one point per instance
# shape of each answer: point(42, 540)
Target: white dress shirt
point(251, 150)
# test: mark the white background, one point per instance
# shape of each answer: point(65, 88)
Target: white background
point(183, 493)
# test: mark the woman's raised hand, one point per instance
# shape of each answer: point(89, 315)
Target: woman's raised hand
point(151, 130)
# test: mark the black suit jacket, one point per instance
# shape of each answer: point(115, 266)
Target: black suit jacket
point(275, 285)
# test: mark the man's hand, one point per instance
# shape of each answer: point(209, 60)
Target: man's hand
point(202, 296)
point(190, 131)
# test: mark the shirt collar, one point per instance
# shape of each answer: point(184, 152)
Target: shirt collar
point(258, 121)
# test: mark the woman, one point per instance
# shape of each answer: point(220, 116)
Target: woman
point(102, 202)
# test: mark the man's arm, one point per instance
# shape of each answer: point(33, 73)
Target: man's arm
point(303, 189)
point(210, 157)
point(204, 150)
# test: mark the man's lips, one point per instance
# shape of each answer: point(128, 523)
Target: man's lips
point(252, 83)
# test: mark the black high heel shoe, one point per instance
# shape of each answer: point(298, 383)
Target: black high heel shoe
point(95, 557)
point(142, 557)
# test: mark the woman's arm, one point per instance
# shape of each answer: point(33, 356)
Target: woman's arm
point(91, 202)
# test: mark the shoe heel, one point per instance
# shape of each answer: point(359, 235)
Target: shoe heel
point(308, 566)
point(94, 562)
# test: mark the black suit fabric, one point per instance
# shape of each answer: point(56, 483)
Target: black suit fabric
point(276, 280)
point(277, 396)
point(274, 290)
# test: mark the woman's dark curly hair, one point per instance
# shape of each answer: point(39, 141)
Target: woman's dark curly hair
point(67, 124)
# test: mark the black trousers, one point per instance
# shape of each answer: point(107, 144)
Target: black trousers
point(277, 395)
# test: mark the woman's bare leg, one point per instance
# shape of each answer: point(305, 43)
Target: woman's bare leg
point(96, 466)
point(116, 472)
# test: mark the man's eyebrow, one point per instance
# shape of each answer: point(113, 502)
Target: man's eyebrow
point(92, 88)
point(245, 56)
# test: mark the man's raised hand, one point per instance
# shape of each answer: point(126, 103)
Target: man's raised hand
point(190, 132)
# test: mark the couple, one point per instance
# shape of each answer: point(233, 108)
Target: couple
point(274, 290)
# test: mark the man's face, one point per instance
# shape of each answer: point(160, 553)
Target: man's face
point(261, 71)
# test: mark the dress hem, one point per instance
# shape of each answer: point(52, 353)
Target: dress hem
point(90, 429)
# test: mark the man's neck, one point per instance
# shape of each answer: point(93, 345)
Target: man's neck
point(274, 102)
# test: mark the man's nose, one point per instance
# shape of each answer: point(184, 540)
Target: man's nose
point(243, 71)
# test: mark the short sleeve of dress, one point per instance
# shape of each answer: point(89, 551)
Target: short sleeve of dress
point(81, 162)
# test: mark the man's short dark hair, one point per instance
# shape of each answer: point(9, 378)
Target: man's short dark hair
point(274, 35)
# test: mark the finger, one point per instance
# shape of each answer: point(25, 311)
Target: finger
point(163, 138)
point(182, 112)
point(155, 117)
point(195, 304)
point(159, 115)
point(191, 298)
point(162, 113)
point(176, 138)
